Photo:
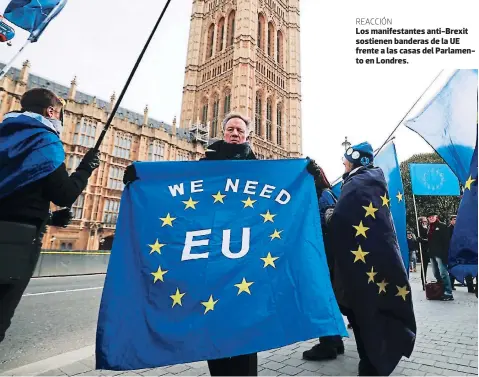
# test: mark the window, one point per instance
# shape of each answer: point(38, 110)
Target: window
point(73, 163)
point(231, 29)
point(279, 52)
point(182, 156)
point(122, 146)
point(227, 107)
point(214, 121)
point(110, 211)
point(257, 120)
point(156, 151)
point(204, 116)
point(269, 110)
point(220, 35)
point(116, 178)
point(77, 207)
point(279, 120)
point(211, 35)
point(85, 132)
point(270, 39)
point(261, 23)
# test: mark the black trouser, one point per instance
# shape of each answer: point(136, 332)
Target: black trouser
point(243, 365)
point(365, 367)
point(424, 263)
point(469, 282)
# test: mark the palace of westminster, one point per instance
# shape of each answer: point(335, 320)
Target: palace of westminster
point(243, 55)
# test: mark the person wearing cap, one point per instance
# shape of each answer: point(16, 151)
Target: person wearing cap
point(438, 241)
point(370, 280)
point(32, 175)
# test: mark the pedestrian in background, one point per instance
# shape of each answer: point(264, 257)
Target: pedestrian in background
point(413, 246)
point(423, 226)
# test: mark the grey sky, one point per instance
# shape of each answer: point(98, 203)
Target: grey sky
point(99, 41)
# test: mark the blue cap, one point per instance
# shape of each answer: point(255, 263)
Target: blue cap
point(361, 154)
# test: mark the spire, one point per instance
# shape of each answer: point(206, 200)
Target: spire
point(25, 71)
point(173, 128)
point(145, 116)
point(112, 101)
point(73, 89)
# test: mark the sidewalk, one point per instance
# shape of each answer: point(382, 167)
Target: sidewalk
point(446, 345)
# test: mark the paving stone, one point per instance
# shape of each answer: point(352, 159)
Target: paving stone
point(418, 361)
point(88, 374)
point(177, 369)
point(278, 358)
point(265, 354)
point(285, 352)
point(469, 357)
point(452, 354)
point(289, 370)
point(294, 362)
point(111, 372)
point(442, 365)
point(433, 370)
point(155, 372)
point(311, 366)
point(54, 372)
point(273, 365)
point(413, 372)
point(306, 373)
point(467, 369)
point(268, 372)
point(262, 360)
point(459, 361)
point(473, 363)
point(76, 368)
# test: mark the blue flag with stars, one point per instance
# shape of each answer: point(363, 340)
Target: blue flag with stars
point(214, 259)
point(463, 247)
point(433, 179)
point(370, 278)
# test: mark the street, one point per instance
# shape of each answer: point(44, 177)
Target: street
point(56, 315)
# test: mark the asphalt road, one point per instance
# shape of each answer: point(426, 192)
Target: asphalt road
point(56, 315)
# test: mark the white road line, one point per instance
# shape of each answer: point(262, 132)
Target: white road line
point(65, 291)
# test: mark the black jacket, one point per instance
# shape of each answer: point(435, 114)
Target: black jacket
point(221, 150)
point(31, 204)
point(439, 241)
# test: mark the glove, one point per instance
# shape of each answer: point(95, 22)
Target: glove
point(90, 161)
point(130, 175)
point(61, 218)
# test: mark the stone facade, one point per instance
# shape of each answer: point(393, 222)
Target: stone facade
point(132, 137)
point(244, 55)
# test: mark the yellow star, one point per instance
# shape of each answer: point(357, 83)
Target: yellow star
point(371, 275)
point(359, 254)
point(210, 304)
point(361, 230)
point(402, 291)
point(269, 260)
point(268, 217)
point(190, 203)
point(219, 197)
point(168, 220)
point(158, 274)
point(382, 286)
point(399, 196)
point(248, 202)
point(243, 286)
point(469, 183)
point(177, 298)
point(385, 200)
point(370, 210)
point(276, 234)
point(156, 247)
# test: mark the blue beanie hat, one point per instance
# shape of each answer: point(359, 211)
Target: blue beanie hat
point(361, 154)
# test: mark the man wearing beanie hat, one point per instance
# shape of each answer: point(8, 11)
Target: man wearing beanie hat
point(370, 280)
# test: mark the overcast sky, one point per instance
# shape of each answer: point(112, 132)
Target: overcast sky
point(99, 41)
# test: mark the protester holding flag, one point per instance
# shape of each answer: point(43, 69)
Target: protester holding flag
point(424, 248)
point(370, 280)
point(32, 175)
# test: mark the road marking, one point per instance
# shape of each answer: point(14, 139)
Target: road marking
point(66, 291)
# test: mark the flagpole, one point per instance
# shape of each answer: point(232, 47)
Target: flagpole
point(9, 65)
point(127, 84)
point(412, 107)
point(419, 242)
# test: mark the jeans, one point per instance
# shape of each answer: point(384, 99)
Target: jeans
point(413, 259)
point(441, 274)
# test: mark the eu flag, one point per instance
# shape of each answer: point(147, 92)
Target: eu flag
point(463, 247)
point(433, 179)
point(33, 15)
point(369, 269)
point(449, 122)
point(214, 259)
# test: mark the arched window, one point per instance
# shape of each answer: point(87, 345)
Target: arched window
point(261, 23)
point(209, 46)
point(214, 121)
point(279, 120)
point(220, 35)
point(257, 120)
point(279, 52)
point(270, 39)
point(227, 107)
point(204, 115)
point(231, 29)
point(269, 124)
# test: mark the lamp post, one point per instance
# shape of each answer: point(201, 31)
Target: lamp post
point(346, 144)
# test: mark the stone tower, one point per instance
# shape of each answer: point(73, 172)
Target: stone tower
point(244, 55)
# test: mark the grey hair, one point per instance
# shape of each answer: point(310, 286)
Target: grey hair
point(234, 115)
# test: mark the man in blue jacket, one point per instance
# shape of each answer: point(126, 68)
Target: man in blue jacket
point(32, 175)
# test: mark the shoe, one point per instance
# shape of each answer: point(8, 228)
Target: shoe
point(447, 298)
point(319, 352)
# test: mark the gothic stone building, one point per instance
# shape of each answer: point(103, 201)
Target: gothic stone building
point(243, 55)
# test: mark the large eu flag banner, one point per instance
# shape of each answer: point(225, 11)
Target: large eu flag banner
point(214, 259)
point(434, 180)
point(448, 123)
point(463, 247)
